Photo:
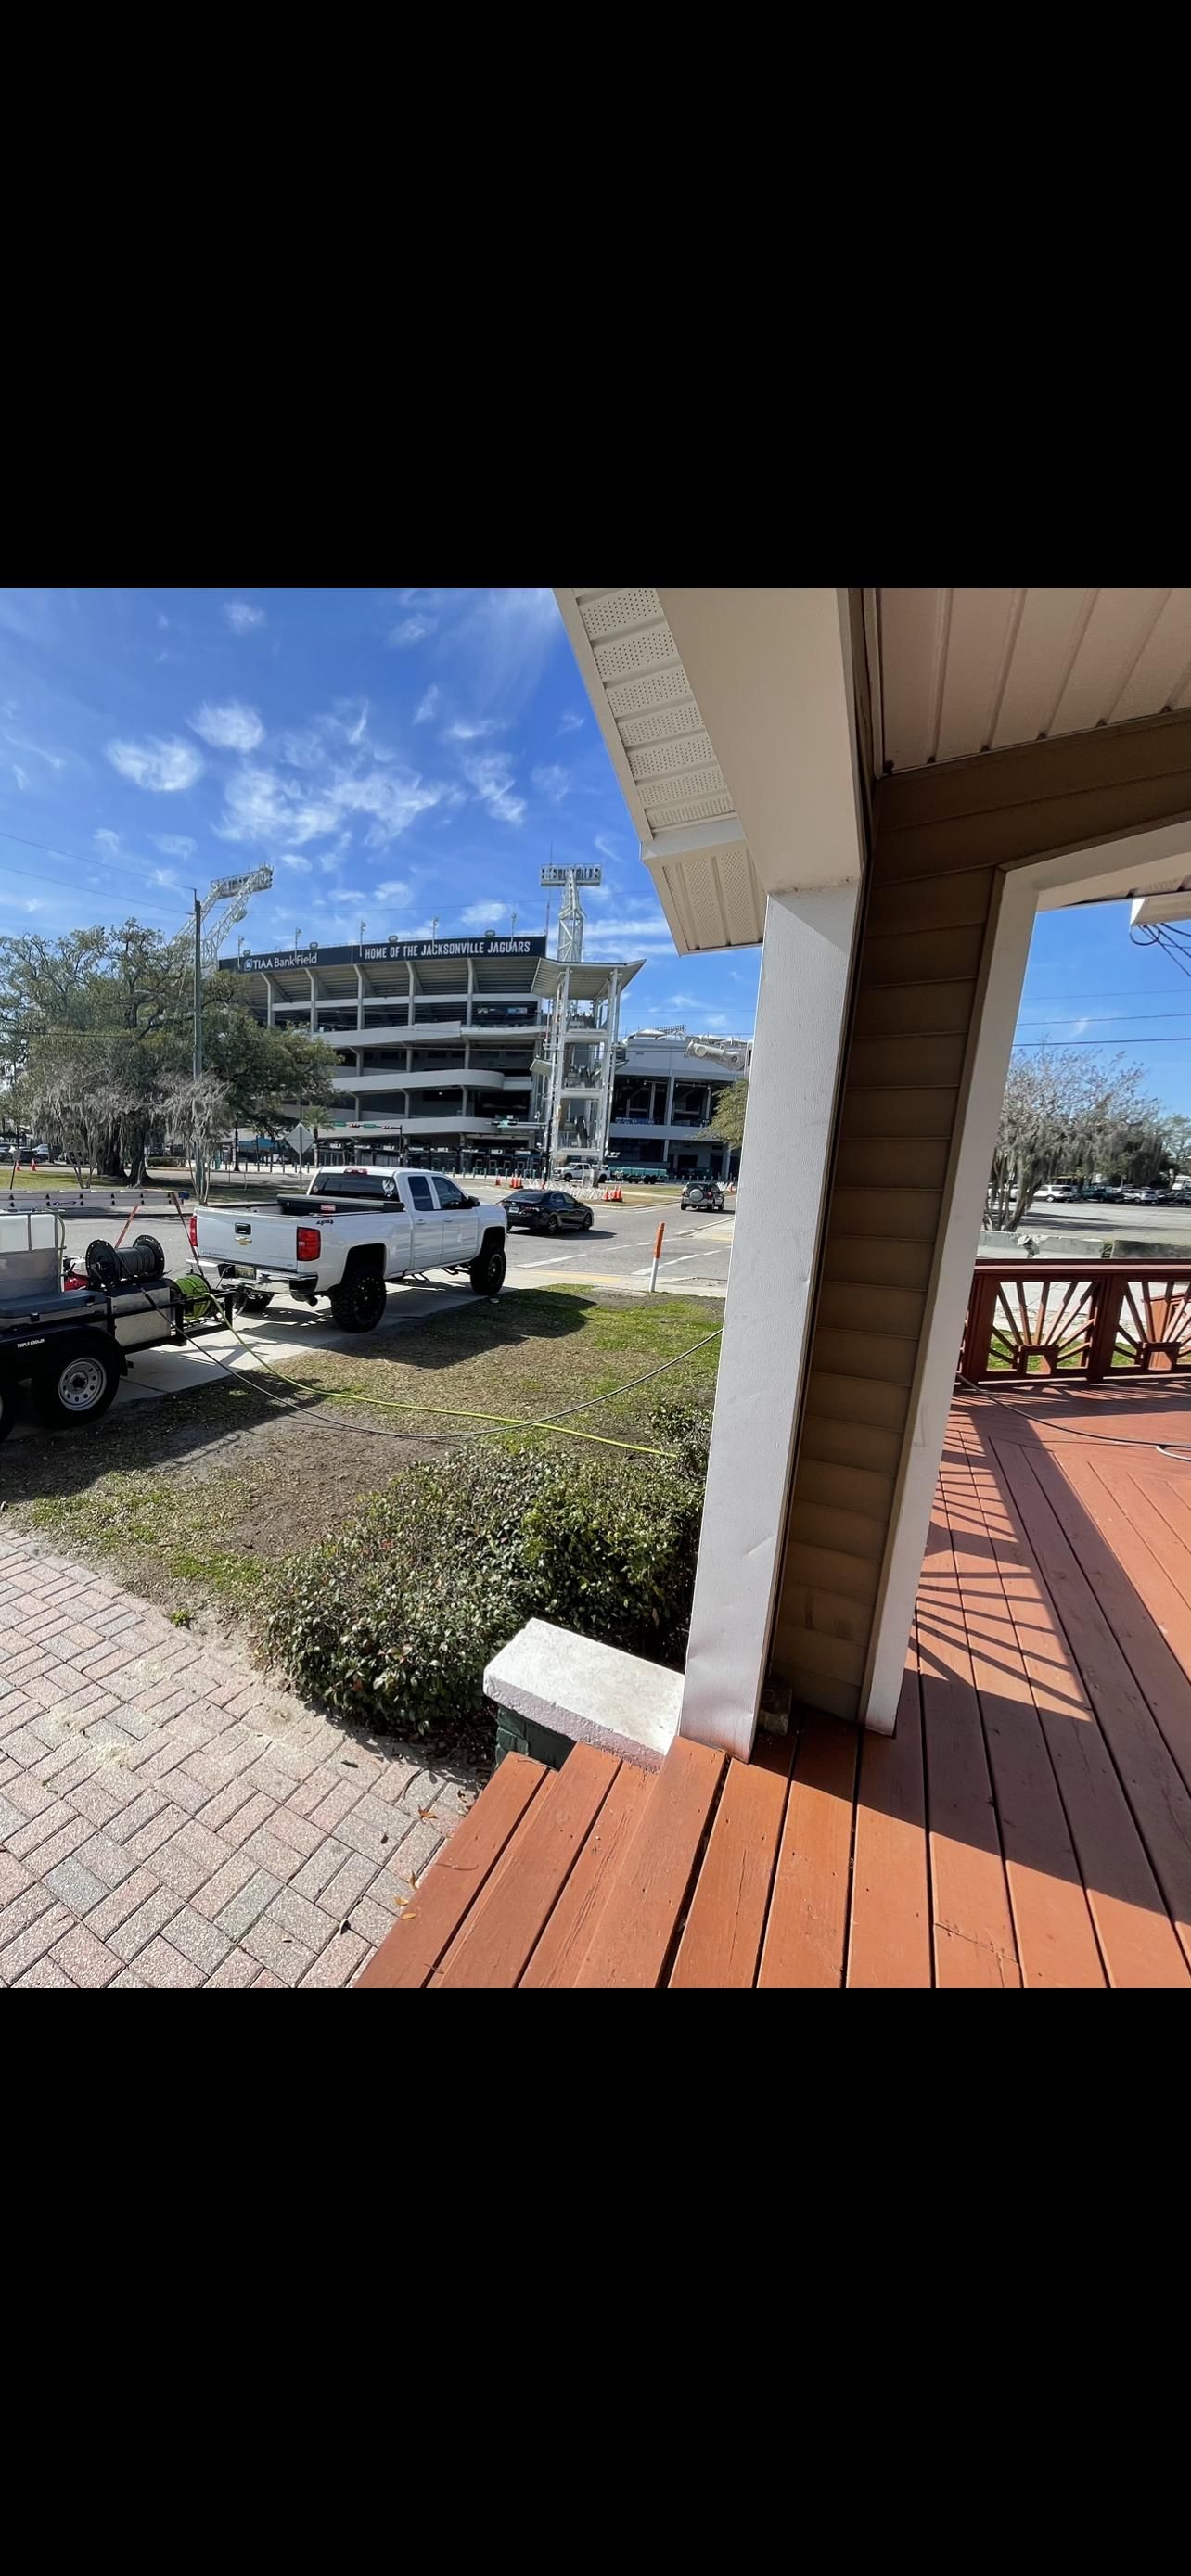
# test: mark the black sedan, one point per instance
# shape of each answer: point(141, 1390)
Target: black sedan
point(547, 1212)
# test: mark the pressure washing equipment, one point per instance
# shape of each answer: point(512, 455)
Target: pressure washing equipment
point(109, 1268)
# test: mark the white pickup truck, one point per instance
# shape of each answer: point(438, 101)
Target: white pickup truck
point(347, 1237)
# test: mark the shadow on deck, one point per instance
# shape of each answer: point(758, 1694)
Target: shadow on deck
point(1029, 1823)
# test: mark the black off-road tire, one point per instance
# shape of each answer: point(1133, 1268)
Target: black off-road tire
point(70, 1393)
point(487, 1271)
point(359, 1302)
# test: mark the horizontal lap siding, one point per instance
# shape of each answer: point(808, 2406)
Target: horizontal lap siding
point(915, 999)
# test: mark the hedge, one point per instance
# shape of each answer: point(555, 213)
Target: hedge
point(393, 1619)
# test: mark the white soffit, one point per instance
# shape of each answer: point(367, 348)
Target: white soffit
point(692, 838)
point(966, 671)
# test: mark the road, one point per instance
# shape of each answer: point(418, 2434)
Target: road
point(616, 1254)
point(1095, 1224)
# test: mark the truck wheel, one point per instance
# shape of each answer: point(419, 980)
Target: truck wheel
point(8, 1405)
point(358, 1304)
point(487, 1271)
point(74, 1391)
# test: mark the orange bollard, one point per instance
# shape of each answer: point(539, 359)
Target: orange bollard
point(657, 1254)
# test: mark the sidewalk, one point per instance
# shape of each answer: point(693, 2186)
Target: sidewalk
point(167, 1818)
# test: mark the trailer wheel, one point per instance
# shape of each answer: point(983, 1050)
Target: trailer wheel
point(8, 1405)
point(75, 1391)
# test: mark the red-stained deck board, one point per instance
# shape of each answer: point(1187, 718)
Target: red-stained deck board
point(808, 1915)
point(1056, 1938)
point(1151, 1781)
point(637, 1929)
point(506, 1922)
point(567, 1936)
point(1136, 1938)
point(410, 1953)
point(974, 1940)
point(889, 1934)
point(721, 1941)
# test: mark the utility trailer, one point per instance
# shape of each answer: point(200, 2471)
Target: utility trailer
point(70, 1342)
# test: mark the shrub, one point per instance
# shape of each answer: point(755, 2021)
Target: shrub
point(393, 1619)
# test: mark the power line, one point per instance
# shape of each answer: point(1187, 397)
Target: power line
point(110, 867)
point(1100, 1019)
point(1102, 1042)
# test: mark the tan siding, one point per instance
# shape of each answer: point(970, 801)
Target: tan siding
point(908, 1063)
point(933, 903)
point(850, 1533)
point(912, 1215)
point(877, 1262)
point(923, 1010)
point(860, 1491)
point(905, 1163)
point(856, 1399)
point(873, 1447)
point(858, 1306)
point(887, 1356)
point(898, 1113)
point(925, 956)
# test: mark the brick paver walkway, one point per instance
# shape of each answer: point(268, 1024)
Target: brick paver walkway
point(169, 1819)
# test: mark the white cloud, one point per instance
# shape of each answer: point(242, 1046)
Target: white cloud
point(478, 915)
point(336, 895)
point(241, 618)
point(301, 866)
point(427, 707)
point(21, 775)
point(553, 781)
point(492, 781)
point(162, 767)
point(634, 935)
point(570, 722)
point(107, 841)
point(607, 848)
point(394, 890)
point(231, 727)
point(164, 877)
point(410, 631)
point(685, 1001)
point(514, 632)
point(261, 805)
point(174, 845)
point(470, 728)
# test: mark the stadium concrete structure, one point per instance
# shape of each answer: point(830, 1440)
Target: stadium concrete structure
point(448, 1050)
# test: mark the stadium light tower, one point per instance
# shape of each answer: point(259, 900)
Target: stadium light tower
point(570, 919)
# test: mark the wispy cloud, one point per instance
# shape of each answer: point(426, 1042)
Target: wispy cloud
point(262, 805)
point(607, 848)
point(301, 867)
point(394, 890)
point(108, 841)
point(571, 722)
point(427, 707)
point(478, 915)
point(241, 617)
point(491, 779)
point(553, 781)
point(230, 727)
point(511, 634)
point(162, 767)
point(164, 877)
point(636, 935)
point(471, 728)
point(174, 845)
point(684, 1001)
point(21, 775)
point(410, 631)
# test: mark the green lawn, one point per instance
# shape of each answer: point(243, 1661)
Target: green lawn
point(259, 1468)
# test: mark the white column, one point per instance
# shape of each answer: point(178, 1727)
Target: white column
point(270, 1003)
point(767, 1316)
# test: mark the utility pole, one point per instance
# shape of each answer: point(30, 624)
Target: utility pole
point(199, 1173)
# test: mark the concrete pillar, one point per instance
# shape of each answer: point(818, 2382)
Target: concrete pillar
point(797, 1053)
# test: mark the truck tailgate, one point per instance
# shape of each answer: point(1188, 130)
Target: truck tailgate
point(250, 1235)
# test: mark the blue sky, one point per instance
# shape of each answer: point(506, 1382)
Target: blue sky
point(398, 755)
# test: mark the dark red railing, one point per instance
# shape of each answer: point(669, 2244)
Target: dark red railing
point(1076, 1319)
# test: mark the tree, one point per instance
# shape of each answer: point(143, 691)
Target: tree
point(96, 1043)
point(197, 1114)
point(727, 1118)
point(1064, 1112)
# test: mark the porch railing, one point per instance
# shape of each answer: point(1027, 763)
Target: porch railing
point(1076, 1319)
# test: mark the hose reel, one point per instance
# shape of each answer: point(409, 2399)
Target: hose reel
point(138, 1264)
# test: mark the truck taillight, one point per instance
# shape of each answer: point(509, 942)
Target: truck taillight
point(310, 1242)
point(192, 1231)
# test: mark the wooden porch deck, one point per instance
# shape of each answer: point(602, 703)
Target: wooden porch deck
point(1028, 1824)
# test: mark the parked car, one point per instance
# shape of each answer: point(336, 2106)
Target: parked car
point(1051, 1192)
point(547, 1212)
point(1138, 1197)
point(703, 1194)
